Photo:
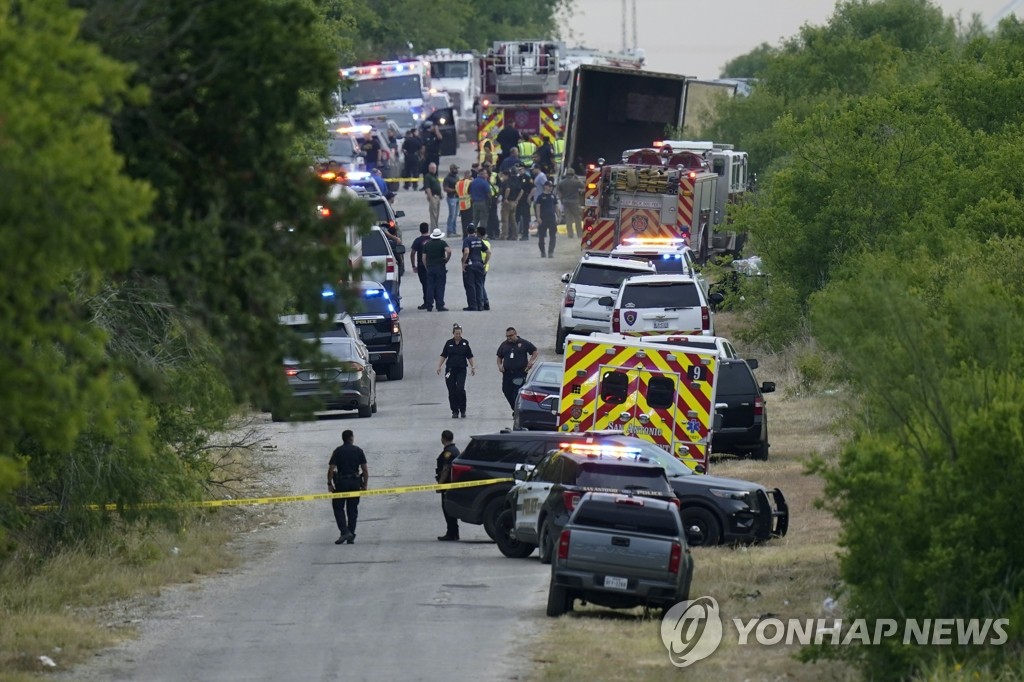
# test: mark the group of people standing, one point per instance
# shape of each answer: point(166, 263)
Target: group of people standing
point(431, 253)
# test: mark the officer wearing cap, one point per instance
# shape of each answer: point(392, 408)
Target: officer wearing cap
point(455, 357)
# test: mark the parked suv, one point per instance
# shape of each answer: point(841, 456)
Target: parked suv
point(596, 276)
point(379, 328)
point(714, 509)
point(662, 304)
point(740, 402)
point(538, 507)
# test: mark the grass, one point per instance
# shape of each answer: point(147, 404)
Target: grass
point(787, 578)
point(63, 606)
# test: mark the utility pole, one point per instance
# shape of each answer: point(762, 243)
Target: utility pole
point(634, 25)
point(623, 25)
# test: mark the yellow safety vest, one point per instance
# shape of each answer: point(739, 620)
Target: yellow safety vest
point(526, 151)
point(559, 151)
point(462, 191)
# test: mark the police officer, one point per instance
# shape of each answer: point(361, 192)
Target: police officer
point(455, 356)
point(347, 472)
point(474, 256)
point(443, 474)
point(515, 358)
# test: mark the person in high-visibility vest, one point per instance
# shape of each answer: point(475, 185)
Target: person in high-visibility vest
point(465, 203)
point(526, 151)
point(559, 152)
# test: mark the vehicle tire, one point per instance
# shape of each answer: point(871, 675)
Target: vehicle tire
point(559, 600)
point(560, 335)
point(547, 548)
point(701, 527)
point(365, 411)
point(507, 545)
point(373, 408)
point(490, 516)
point(760, 453)
point(397, 370)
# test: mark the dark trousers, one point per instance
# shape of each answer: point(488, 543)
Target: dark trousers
point(523, 218)
point(550, 229)
point(455, 380)
point(421, 272)
point(473, 280)
point(465, 218)
point(509, 386)
point(437, 277)
point(450, 521)
point(346, 510)
point(483, 289)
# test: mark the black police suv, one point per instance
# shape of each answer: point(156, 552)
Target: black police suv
point(714, 510)
point(379, 328)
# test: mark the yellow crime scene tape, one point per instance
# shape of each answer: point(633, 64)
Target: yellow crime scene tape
point(289, 498)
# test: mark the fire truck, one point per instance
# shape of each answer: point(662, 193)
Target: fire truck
point(520, 85)
point(733, 184)
point(651, 197)
point(662, 393)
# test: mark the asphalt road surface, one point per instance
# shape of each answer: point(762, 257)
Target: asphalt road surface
point(398, 604)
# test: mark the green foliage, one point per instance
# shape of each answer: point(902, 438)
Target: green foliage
point(751, 64)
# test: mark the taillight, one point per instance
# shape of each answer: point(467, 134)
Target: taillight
point(570, 297)
point(563, 545)
point(615, 320)
point(570, 500)
point(395, 329)
point(675, 559)
point(533, 396)
point(460, 470)
point(758, 406)
point(390, 265)
point(631, 501)
point(588, 224)
point(352, 367)
point(290, 371)
point(705, 318)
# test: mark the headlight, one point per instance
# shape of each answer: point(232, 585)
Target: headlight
point(741, 495)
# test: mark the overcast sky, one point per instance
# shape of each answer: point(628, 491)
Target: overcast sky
point(698, 38)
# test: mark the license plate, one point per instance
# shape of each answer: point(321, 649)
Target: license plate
point(616, 583)
point(313, 376)
point(661, 324)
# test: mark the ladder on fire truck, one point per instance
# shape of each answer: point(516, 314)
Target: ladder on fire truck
point(521, 68)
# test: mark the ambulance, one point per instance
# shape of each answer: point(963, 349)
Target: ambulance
point(661, 393)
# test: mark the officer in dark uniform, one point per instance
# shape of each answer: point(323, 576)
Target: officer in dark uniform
point(347, 472)
point(455, 356)
point(443, 474)
point(515, 358)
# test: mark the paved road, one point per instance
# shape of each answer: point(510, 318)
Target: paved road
point(397, 605)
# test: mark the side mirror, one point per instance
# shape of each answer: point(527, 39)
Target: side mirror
point(399, 214)
point(606, 301)
point(565, 278)
point(768, 387)
point(752, 363)
point(716, 298)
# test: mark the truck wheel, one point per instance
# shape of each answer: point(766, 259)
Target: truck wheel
point(396, 371)
point(546, 543)
point(507, 545)
point(490, 516)
point(701, 527)
point(560, 336)
point(760, 452)
point(559, 600)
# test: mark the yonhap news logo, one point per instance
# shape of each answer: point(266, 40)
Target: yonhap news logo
point(692, 630)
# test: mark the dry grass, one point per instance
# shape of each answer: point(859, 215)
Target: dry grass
point(63, 607)
point(787, 578)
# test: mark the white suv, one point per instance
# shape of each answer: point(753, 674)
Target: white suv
point(662, 304)
point(596, 277)
point(669, 256)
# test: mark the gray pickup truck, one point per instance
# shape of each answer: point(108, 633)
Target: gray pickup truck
point(621, 551)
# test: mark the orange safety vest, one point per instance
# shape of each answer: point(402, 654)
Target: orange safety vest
point(462, 191)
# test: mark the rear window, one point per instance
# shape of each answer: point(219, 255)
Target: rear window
point(375, 244)
point(380, 211)
point(670, 265)
point(594, 275)
point(340, 146)
point(735, 378)
point(614, 477)
point(374, 301)
point(667, 295)
point(549, 375)
point(339, 349)
point(625, 517)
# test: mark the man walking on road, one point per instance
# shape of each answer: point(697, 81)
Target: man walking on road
point(432, 189)
point(456, 356)
point(547, 219)
point(347, 472)
point(443, 474)
point(419, 263)
point(515, 358)
point(570, 193)
point(437, 254)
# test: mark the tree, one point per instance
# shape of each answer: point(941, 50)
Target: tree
point(751, 64)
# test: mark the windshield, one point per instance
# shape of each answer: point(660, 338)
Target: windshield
point(341, 147)
point(618, 477)
point(383, 90)
point(449, 69)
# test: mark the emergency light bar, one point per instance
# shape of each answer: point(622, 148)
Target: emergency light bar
point(597, 449)
point(358, 176)
point(348, 130)
point(379, 69)
point(651, 241)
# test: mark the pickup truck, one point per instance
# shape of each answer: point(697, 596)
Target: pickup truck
point(621, 551)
